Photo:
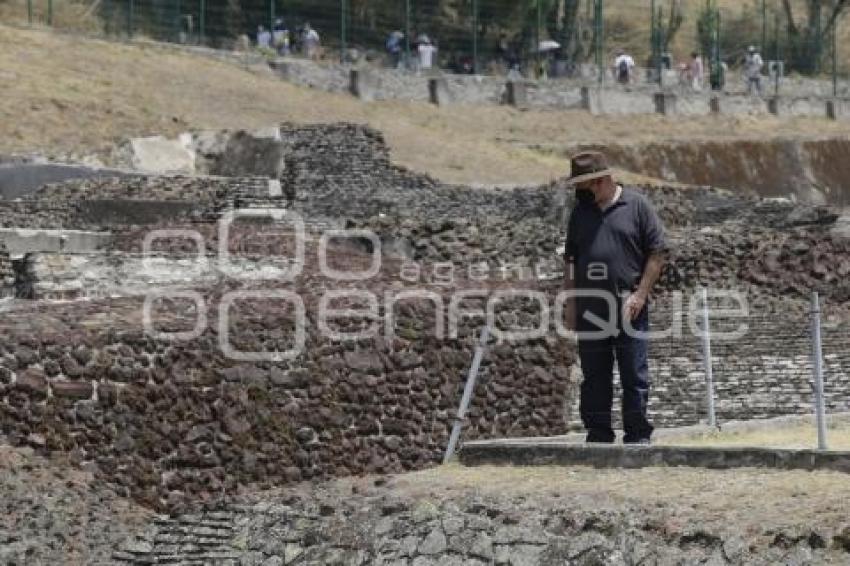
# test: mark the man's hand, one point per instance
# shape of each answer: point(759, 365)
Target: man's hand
point(634, 305)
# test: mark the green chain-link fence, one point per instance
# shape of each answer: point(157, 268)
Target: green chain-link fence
point(535, 36)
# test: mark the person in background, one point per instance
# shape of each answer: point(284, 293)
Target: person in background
point(427, 51)
point(311, 42)
point(280, 37)
point(753, 65)
point(394, 48)
point(624, 66)
point(717, 74)
point(264, 38)
point(697, 71)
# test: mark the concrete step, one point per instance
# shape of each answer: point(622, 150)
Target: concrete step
point(537, 452)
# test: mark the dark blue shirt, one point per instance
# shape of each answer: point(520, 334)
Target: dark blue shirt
point(609, 249)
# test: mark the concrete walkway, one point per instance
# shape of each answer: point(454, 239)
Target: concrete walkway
point(540, 453)
point(571, 450)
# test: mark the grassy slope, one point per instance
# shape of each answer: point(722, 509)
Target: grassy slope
point(63, 93)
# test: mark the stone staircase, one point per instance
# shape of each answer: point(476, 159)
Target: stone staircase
point(188, 540)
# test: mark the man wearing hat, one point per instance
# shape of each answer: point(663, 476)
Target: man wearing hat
point(614, 255)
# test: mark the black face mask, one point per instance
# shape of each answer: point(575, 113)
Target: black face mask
point(585, 196)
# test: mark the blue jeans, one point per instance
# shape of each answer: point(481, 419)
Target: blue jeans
point(597, 389)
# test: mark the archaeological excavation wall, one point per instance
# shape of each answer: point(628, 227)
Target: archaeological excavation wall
point(797, 97)
point(172, 419)
point(7, 274)
point(808, 171)
point(150, 383)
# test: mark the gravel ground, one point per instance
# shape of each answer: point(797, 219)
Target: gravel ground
point(55, 513)
point(52, 512)
point(518, 516)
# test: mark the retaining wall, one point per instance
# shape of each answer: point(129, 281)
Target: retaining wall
point(765, 373)
point(7, 274)
point(807, 171)
point(21, 241)
point(170, 417)
point(18, 180)
point(371, 84)
point(172, 420)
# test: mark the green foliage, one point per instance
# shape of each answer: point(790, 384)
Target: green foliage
point(707, 25)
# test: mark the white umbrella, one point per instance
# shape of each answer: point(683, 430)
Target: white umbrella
point(548, 45)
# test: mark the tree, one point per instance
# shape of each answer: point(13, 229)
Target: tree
point(674, 23)
point(707, 24)
point(806, 35)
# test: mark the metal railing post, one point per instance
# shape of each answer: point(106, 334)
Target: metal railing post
point(817, 367)
point(653, 35)
point(467, 394)
point(407, 34)
point(706, 349)
point(178, 9)
point(130, 10)
point(776, 55)
point(272, 16)
point(342, 31)
point(763, 26)
point(29, 11)
point(537, 37)
point(659, 64)
point(49, 12)
point(835, 59)
point(202, 22)
point(599, 27)
point(475, 36)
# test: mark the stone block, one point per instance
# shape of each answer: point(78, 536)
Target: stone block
point(160, 155)
point(438, 91)
point(590, 100)
point(774, 105)
point(18, 180)
point(363, 84)
point(714, 105)
point(837, 109)
point(22, 241)
point(72, 389)
point(281, 67)
point(665, 103)
point(517, 94)
point(33, 382)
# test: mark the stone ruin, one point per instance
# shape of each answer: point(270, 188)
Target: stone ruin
point(164, 412)
point(7, 274)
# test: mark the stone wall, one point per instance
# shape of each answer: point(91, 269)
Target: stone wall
point(809, 171)
point(765, 373)
point(17, 180)
point(104, 203)
point(168, 420)
point(58, 276)
point(37, 214)
point(539, 522)
point(173, 417)
point(797, 97)
point(7, 274)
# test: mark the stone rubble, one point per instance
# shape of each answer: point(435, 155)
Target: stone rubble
point(378, 526)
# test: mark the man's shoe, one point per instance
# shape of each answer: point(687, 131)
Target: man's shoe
point(599, 437)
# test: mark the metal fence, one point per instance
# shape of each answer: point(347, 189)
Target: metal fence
point(535, 36)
